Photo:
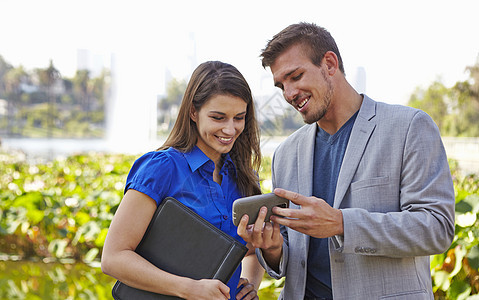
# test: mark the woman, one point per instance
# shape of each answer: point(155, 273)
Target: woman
point(210, 158)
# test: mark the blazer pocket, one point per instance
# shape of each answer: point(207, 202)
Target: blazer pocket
point(370, 182)
point(412, 295)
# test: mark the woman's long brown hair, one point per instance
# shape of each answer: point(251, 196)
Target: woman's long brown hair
point(217, 78)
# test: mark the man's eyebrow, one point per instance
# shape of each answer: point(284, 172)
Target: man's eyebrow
point(285, 76)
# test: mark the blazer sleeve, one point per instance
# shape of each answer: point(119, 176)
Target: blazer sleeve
point(284, 259)
point(424, 222)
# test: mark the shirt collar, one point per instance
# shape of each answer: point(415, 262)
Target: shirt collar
point(196, 158)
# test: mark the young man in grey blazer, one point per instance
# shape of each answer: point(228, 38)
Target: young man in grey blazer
point(369, 184)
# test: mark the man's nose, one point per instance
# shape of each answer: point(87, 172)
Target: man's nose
point(290, 93)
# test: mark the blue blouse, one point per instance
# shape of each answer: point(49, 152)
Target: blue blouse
point(188, 177)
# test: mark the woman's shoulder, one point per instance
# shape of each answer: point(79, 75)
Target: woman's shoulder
point(159, 158)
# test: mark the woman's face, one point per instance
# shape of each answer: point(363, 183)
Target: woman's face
point(219, 122)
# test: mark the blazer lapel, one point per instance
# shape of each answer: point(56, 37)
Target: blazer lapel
point(362, 130)
point(305, 159)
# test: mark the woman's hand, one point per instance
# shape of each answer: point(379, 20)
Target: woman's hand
point(206, 289)
point(247, 291)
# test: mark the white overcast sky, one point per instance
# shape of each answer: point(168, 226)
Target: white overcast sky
point(400, 44)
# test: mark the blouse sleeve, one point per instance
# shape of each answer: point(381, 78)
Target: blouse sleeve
point(151, 175)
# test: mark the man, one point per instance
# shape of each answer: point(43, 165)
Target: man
point(369, 184)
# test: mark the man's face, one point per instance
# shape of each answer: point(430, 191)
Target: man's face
point(305, 86)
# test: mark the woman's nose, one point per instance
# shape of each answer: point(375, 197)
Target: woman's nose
point(229, 128)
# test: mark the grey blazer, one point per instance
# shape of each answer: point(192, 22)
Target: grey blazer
point(397, 198)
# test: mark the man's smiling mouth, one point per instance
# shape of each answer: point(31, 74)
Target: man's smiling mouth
point(303, 103)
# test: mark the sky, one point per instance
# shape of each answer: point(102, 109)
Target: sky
point(400, 45)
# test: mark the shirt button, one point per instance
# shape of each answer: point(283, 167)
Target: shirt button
point(303, 263)
point(225, 217)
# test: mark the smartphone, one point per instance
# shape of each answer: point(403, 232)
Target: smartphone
point(252, 204)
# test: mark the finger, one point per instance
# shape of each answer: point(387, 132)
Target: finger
point(242, 230)
point(291, 196)
point(225, 290)
point(242, 281)
point(246, 292)
point(291, 223)
point(258, 228)
point(268, 231)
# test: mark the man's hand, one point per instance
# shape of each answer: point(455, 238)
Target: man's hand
point(315, 218)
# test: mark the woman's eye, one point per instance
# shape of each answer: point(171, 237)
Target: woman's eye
point(239, 118)
point(217, 118)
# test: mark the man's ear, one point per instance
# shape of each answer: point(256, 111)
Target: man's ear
point(331, 61)
point(193, 114)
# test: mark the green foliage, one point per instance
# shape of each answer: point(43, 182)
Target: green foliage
point(455, 273)
point(455, 110)
point(60, 211)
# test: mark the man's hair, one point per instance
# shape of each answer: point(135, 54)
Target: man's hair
point(315, 39)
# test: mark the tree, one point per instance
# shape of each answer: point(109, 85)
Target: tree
point(4, 68)
point(455, 110)
point(169, 104)
point(13, 79)
point(82, 87)
point(434, 101)
point(48, 78)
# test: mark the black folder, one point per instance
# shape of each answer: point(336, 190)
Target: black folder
point(181, 242)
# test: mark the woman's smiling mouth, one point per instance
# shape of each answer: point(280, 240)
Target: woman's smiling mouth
point(225, 140)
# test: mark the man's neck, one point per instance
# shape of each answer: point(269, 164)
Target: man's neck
point(342, 108)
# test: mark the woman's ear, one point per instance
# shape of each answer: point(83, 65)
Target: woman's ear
point(193, 114)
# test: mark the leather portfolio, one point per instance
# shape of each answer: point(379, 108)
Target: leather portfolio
point(181, 242)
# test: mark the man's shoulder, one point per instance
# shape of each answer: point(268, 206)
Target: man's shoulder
point(299, 134)
point(392, 111)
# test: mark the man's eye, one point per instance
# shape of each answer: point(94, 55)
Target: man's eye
point(298, 77)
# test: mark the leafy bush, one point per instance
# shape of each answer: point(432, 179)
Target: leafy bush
point(455, 272)
point(59, 212)
point(60, 209)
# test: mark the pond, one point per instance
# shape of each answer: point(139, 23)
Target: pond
point(37, 280)
point(55, 280)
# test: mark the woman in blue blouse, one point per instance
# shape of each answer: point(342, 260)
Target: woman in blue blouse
point(210, 158)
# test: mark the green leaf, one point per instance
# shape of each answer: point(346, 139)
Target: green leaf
point(57, 247)
point(91, 255)
point(441, 280)
point(437, 260)
point(35, 216)
point(100, 240)
point(82, 218)
point(459, 290)
point(460, 252)
point(463, 207)
point(473, 257)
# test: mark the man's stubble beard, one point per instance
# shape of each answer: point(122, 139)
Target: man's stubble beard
point(324, 105)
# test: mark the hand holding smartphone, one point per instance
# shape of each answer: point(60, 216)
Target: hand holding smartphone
point(252, 204)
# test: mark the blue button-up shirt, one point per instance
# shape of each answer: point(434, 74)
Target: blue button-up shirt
point(188, 177)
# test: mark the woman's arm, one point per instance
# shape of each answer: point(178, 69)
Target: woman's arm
point(251, 276)
point(252, 270)
point(120, 260)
